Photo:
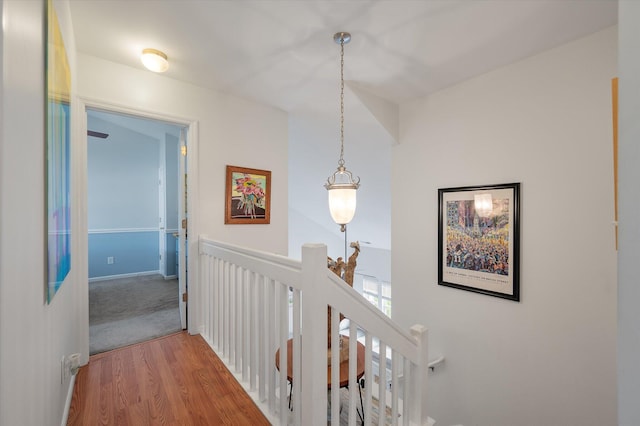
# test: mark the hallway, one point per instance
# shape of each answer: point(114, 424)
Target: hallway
point(173, 380)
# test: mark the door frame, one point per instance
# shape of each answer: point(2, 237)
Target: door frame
point(183, 217)
point(162, 209)
point(192, 189)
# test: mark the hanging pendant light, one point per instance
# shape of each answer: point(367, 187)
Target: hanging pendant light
point(341, 186)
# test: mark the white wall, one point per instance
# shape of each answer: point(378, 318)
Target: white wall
point(34, 335)
point(231, 131)
point(122, 179)
point(629, 204)
point(314, 150)
point(544, 122)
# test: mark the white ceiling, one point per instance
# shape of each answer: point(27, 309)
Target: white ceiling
point(104, 122)
point(281, 52)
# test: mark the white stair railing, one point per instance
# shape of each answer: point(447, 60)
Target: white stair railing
point(254, 304)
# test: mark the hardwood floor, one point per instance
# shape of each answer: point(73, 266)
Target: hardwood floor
point(173, 380)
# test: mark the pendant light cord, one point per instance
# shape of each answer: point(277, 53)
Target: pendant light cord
point(341, 161)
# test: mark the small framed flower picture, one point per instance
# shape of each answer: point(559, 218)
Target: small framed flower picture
point(247, 196)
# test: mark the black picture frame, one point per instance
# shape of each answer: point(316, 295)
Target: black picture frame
point(479, 239)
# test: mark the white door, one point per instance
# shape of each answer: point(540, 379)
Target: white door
point(182, 229)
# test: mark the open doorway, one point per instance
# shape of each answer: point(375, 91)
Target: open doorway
point(136, 207)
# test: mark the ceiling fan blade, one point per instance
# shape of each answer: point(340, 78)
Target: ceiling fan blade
point(97, 134)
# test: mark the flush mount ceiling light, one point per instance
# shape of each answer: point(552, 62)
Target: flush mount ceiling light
point(154, 60)
point(341, 186)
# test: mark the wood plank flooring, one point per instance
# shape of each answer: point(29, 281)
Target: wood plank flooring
point(173, 380)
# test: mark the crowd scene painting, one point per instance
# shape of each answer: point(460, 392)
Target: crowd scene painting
point(477, 243)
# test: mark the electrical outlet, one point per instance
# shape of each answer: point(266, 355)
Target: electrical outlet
point(73, 364)
point(110, 260)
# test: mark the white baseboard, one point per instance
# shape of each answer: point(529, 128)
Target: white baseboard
point(67, 404)
point(115, 277)
point(253, 394)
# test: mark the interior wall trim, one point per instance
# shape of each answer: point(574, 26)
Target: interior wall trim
point(122, 230)
point(116, 277)
point(192, 186)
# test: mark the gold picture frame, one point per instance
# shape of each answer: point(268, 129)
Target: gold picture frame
point(247, 196)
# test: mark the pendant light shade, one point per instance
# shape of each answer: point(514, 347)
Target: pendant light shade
point(342, 196)
point(342, 204)
point(341, 186)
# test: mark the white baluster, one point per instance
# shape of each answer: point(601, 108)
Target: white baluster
point(382, 381)
point(408, 400)
point(246, 322)
point(253, 333)
point(353, 369)
point(368, 377)
point(314, 334)
point(283, 306)
point(394, 387)
point(262, 337)
point(272, 344)
point(335, 367)
point(297, 367)
point(419, 411)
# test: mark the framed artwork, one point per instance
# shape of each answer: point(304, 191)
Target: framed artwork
point(247, 196)
point(58, 163)
point(479, 239)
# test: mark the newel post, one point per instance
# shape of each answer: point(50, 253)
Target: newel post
point(314, 334)
point(419, 405)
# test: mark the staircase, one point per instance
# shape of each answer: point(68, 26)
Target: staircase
point(252, 303)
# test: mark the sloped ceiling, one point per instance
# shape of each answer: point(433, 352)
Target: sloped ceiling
point(281, 52)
